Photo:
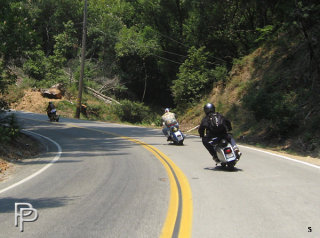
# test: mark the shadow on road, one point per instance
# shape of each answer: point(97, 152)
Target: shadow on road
point(7, 204)
point(223, 169)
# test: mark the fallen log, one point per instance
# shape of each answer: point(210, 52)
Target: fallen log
point(105, 98)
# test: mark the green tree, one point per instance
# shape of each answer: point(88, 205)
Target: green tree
point(66, 43)
point(35, 64)
point(50, 17)
point(40, 67)
point(16, 29)
point(194, 78)
point(138, 45)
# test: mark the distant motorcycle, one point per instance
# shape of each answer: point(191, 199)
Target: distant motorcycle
point(52, 115)
point(226, 154)
point(175, 135)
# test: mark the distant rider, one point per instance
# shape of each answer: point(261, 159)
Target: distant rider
point(168, 120)
point(51, 109)
point(207, 134)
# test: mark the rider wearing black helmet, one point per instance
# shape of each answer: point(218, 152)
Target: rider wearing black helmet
point(207, 134)
point(209, 108)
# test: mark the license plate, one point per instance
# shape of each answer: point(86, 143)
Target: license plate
point(229, 156)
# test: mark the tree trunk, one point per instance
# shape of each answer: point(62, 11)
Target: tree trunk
point(145, 80)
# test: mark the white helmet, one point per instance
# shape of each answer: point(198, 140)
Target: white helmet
point(166, 110)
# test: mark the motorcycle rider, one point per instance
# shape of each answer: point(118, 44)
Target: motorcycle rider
point(207, 134)
point(168, 120)
point(51, 110)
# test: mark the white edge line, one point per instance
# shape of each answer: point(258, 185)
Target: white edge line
point(283, 157)
point(270, 153)
point(39, 171)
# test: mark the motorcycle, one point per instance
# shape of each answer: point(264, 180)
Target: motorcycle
point(225, 152)
point(175, 134)
point(53, 115)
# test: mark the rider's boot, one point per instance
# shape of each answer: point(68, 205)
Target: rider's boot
point(215, 158)
point(237, 151)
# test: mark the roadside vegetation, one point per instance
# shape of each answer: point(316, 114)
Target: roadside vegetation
point(258, 62)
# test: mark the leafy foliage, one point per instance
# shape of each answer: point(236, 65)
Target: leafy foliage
point(144, 43)
point(170, 53)
point(133, 112)
point(195, 78)
point(279, 107)
point(16, 29)
point(132, 42)
point(9, 128)
point(264, 33)
point(35, 65)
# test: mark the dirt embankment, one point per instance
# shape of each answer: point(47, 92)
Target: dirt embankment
point(23, 147)
point(33, 101)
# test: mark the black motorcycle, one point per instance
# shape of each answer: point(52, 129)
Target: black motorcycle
point(53, 116)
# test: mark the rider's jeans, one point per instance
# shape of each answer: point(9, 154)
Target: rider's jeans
point(166, 130)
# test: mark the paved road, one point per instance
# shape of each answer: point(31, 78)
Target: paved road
point(106, 186)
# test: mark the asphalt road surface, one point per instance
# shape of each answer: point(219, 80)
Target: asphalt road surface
point(99, 179)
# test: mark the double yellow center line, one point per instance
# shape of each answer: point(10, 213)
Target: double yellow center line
point(178, 223)
point(179, 218)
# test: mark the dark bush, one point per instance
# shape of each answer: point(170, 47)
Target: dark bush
point(134, 112)
point(279, 107)
point(9, 128)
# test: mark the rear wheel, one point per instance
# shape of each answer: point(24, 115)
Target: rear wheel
point(231, 165)
point(180, 142)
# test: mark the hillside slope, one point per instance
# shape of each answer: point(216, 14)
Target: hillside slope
point(272, 97)
point(33, 101)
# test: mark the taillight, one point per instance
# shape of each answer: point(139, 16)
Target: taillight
point(227, 151)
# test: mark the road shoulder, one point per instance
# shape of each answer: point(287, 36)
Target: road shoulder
point(25, 147)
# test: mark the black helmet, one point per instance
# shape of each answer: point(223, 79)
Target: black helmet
point(209, 107)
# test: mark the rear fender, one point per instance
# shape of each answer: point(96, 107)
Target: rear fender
point(177, 136)
point(220, 155)
point(225, 157)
